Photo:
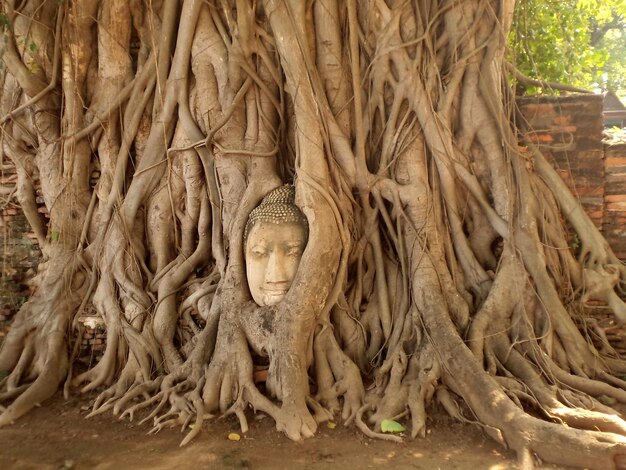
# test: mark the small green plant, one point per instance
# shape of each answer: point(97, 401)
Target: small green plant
point(575, 243)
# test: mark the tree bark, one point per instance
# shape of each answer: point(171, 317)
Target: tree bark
point(437, 267)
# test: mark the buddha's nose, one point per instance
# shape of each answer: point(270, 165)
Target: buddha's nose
point(276, 271)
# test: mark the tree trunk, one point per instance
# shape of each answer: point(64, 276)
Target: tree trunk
point(437, 266)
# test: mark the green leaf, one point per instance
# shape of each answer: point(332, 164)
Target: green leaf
point(578, 42)
point(4, 20)
point(54, 235)
point(389, 425)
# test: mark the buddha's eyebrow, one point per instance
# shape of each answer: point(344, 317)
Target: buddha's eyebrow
point(260, 244)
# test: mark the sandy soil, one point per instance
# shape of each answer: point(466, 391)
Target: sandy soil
point(56, 436)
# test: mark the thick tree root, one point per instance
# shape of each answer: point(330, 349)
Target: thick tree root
point(35, 349)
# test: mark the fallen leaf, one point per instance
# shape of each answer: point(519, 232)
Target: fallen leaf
point(331, 425)
point(389, 425)
point(233, 436)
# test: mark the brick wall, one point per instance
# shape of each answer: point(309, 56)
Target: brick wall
point(20, 253)
point(614, 226)
point(569, 132)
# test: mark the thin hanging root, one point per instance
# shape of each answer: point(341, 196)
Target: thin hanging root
point(367, 431)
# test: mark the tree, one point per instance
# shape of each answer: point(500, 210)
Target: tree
point(578, 42)
point(437, 266)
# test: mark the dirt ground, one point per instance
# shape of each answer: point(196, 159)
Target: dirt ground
point(56, 436)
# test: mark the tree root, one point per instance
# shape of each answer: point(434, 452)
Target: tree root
point(35, 348)
point(437, 264)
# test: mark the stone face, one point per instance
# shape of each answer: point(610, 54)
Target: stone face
point(275, 237)
point(273, 252)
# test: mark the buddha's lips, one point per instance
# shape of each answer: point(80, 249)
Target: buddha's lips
point(275, 291)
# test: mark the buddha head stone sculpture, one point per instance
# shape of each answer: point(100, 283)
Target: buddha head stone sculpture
point(274, 239)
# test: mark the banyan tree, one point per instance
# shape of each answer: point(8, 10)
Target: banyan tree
point(436, 267)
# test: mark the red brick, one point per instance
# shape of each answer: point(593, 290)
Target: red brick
point(543, 138)
point(615, 198)
point(615, 160)
point(562, 120)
